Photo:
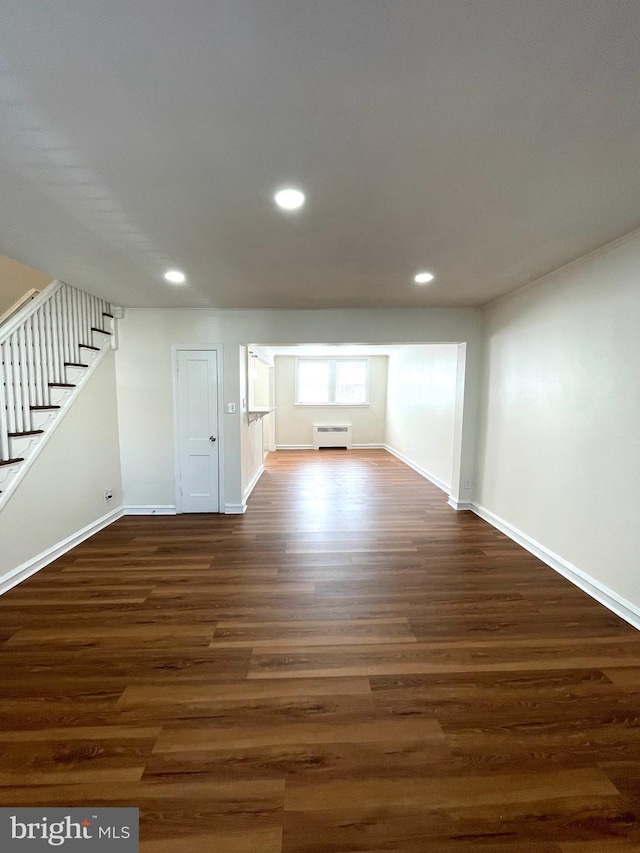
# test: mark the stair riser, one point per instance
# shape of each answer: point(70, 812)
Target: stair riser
point(75, 374)
point(7, 472)
point(88, 356)
point(21, 446)
point(59, 396)
point(41, 420)
point(100, 340)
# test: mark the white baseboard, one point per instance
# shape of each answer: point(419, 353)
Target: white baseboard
point(235, 509)
point(310, 447)
point(421, 471)
point(460, 505)
point(151, 509)
point(253, 483)
point(30, 567)
point(610, 599)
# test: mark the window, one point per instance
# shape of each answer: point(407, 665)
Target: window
point(332, 382)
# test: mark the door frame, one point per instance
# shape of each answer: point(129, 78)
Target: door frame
point(218, 349)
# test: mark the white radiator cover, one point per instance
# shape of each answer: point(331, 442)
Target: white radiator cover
point(331, 435)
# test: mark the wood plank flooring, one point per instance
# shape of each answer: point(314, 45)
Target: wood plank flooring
point(351, 666)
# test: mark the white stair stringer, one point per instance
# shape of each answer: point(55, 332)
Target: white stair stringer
point(55, 397)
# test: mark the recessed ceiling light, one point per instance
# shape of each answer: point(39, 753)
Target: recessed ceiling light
point(175, 276)
point(423, 278)
point(289, 198)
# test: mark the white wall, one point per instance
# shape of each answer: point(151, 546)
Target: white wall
point(294, 424)
point(63, 490)
point(559, 444)
point(421, 408)
point(251, 434)
point(144, 376)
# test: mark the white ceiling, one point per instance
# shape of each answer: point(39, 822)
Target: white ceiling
point(489, 141)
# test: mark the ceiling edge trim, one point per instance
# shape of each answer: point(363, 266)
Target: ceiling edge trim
point(575, 263)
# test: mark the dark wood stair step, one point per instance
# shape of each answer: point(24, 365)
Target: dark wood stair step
point(106, 314)
point(61, 385)
point(74, 364)
point(102, 331)
point(11, 461)
point(42, 408)
point(28, 432)
point(88, 346)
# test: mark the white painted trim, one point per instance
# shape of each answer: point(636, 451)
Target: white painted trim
point(253, 483)
point(423, 473)
point(65, 405)
point(610, 599)
point(30, 567)
point(461, 506)
point(235, 509)
point(150, 509)
point(219, 350)
point(310, 447)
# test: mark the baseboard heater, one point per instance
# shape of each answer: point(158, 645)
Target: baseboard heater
point(332, 435)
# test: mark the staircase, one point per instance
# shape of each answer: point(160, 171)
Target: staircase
point(48, 349)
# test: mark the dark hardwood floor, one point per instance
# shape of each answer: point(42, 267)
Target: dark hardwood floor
point(351, 666)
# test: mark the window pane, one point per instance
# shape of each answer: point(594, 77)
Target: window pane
point(351, 382)
point(313, 382)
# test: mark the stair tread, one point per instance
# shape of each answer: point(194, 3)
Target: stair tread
point(106, 314)
point(11, 461)
point(74, 364)
point(88, 346)
point(39, 408)
point(61, 385)
point(28, 432)
point(102, 331)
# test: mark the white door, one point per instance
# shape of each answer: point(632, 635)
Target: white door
point(198, 430)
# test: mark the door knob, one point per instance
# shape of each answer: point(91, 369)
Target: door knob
point(212, 438)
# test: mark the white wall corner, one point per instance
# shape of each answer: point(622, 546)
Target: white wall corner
point(151, 509)
point(601, 593)
point(235, 509)
point(253, 483)
point(30, 567)
point(418, 469)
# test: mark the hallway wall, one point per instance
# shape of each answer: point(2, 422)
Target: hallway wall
point(62, 493)
point(421, 408)
point(559, 444)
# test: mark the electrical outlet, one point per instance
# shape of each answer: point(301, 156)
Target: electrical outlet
point(468, 484)
point(231, 408)
point(108, 495)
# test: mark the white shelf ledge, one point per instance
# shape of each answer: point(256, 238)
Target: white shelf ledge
point(256, 414)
